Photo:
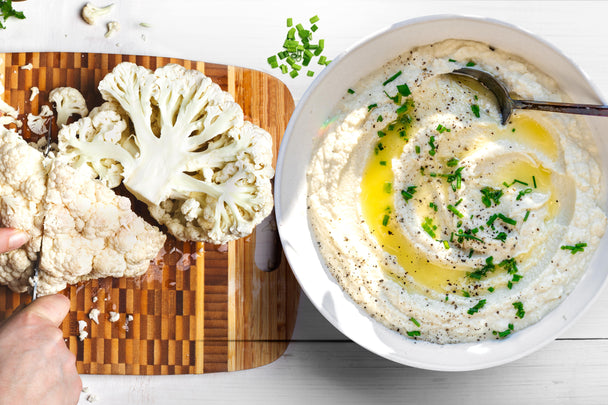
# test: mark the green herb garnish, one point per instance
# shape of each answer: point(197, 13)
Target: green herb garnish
point(579, 247)
point(415, 322)
point(504, 333)
point(452, 162)
point(385, 220)
point(471, 63)
point(489, 194)
point(408, 194)
point(523, 193)
point(477, 307)
point(393, 77)
point(507, 220)
point(372, 106)
point(455, 211)
point(475, 109)
point(428, 227)
point(483, 271)
point(520, 309)
point(441, 129)
point(388, 187)
point(413, 333)
point(404, 90)
point(7, 11)
point(350, 91)
point(433, 146)
point(501, 236)
point(527, 215)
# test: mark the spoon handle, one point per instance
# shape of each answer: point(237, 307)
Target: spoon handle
point(570, 108)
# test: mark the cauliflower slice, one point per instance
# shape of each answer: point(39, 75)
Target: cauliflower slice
point(90, 232)
point(91, 13)
point(202, 170)
point(67, 101)
point(22, 189)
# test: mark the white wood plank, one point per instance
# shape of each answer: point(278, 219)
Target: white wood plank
point(339, 372)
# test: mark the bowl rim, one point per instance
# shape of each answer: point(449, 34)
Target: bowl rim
point(281, 161)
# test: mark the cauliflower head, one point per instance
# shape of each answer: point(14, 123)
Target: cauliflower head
point(202, 170)
point(90, 232)
point(22, 190)
point(67, 101)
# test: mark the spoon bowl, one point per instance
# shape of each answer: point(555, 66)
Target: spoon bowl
point(506, 104)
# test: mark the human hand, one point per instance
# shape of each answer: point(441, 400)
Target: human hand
point(36, 366)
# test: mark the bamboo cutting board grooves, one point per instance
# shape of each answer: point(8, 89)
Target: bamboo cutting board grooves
point(200, 308)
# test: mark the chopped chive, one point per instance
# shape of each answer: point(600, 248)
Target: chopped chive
point(314, 28)
point(476, 307)
point(413, 333)
point(372, 106)
point(289, 22)
point(433, 206)
point(310, 73)
point(534, 181)
point(451, 60)
point(295, 66)
point(427, 225)
point(379, 119)
point(465, 294)
point(388, 187)
point(455, 211)
point(293, 73)
point(491, 289)
point(452, 162)
point(513, 130)
point(446, 244)
point(483, 271)
point(284, 68)
point(441, 129)
point(381, 134)
point(322, 60)
point(579, 247)
point(527, 215)
point(408, 194)
point(507, 220)
point(350, 91)
point(433, 146)
point(523, 193)
point(520, 309)
point(404, 90)
point(383, 163)
point(385, 220)
point(395, 99)
point(489, 194)
point(272, 61)
point(475, 97)
point(471, 63)
point(458, 202)
point(417, 149)
point(314, 19)
point(415, 322)
point(475, 109)
point(502, 236)
point(393, 77)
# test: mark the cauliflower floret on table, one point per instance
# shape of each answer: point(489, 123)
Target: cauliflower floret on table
point(202, 170)
point(67, 101)
point(92, 13)
point(90, 232)
point(22, 189)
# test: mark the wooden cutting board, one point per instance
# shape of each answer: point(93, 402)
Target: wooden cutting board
point(200, 308)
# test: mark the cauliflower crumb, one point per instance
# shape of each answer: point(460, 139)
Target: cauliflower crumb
point(35, 91)
point(85, 390)
point(92, 398)
point(114, 316)
point(95, 299)
point(82, 333)
point(128, 318)
point(94, 315)
point(91, 13)
point(38, 123)
point(29, 66)
point(113, 28)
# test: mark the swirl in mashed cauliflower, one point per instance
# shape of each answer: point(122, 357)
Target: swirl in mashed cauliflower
point(442, 223)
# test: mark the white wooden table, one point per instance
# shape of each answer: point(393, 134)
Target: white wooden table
point(321, 365)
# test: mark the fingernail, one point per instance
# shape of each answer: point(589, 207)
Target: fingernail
point(17, 239)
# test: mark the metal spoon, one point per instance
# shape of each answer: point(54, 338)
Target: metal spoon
point(507, 104)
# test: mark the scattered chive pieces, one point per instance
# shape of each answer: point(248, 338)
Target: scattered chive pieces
point(289, 22)
point(408, 194)
point(489, 194)
point(383, 163)
point(314, 19)
point(381, 134)
point(471, 63)
point(415, 322)
point(272, 61)
point(433, 206)
point(483, 271)
point(523, 193)
point(433, 146)
point(310, 73)
point(390, 79)
point(404, 90)
point(504, 333)
point(475, 97)
point(293, 73)
point(491, 289)
point(527, 215)
point(455, 211)
point(475, 109)
point(520, 309)
point(388, 187)
point(465, 294)
point(379, 119)
point(371, 106)
point(523, 183)
point(579, 247)
point(395, 99)
point(458, 202)
point(385, 220)
point(476, 307)
point(284, 68)
point(417, 149)
point(350, 91)
point(534, 181)
point(441, 129)
point(413, 333)
point(513, 130)
point(507, 220)
point(452, 162)
point(502, 236)
point(451, 60)
point(428, 227)
point(446, 244)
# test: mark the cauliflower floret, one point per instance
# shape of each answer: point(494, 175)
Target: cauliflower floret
point(113, 28)
point(91, 13)
point(67, 101)
point(84, 224)
point(22, 189)
point(34, 92)
point(37, 123)
point(202, 170)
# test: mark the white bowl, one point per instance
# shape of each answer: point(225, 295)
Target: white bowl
point(290, 193)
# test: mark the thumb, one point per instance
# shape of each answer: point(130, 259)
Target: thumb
point(11, 239)
point(50, 307)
